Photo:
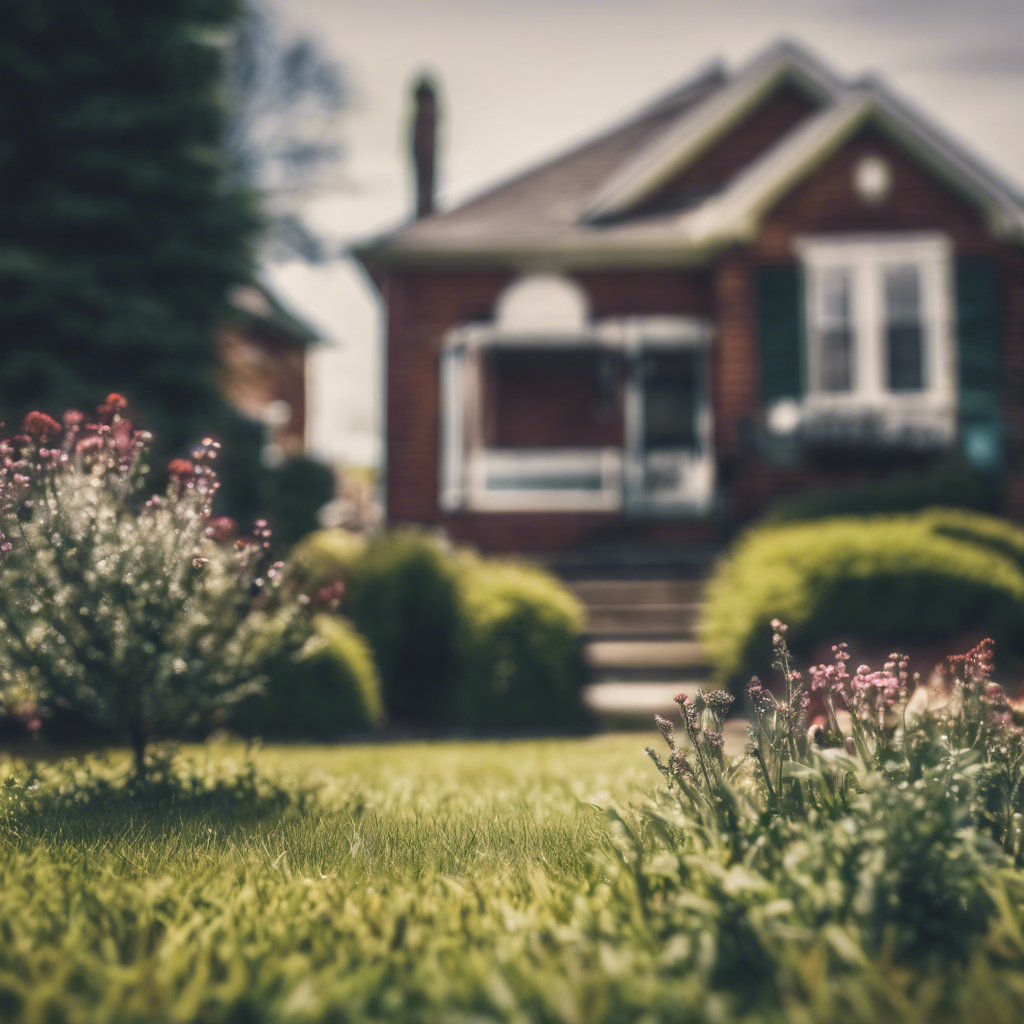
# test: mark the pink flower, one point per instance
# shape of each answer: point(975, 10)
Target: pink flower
point(181, 469)
point(41, 426)
point(222, 529)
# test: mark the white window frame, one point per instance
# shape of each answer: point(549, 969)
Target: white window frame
point(866, 257)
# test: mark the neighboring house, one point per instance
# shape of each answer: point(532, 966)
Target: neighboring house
point(262, 352)
point(765, 279)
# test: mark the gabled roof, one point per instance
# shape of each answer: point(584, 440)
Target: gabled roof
point(698, 127)
point(588, 203)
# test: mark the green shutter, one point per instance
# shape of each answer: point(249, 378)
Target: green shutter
point(978, 323)
point(780, 321)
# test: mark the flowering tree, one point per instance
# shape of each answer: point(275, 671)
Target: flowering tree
point(139, 613)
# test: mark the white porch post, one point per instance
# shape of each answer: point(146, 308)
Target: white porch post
point(452, 469)
point(461, 421)
point(473, 416)
point(633, 417)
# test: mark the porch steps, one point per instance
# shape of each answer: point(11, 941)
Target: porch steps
point(642, 646)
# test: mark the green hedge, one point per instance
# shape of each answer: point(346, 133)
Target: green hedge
point(403, 596)
point(330, 689)
point(458, 640)
point(899, 579)
point(325, 556)
point(520, 651)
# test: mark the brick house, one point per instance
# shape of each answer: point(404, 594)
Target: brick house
point(261, 350)
point(763, 280)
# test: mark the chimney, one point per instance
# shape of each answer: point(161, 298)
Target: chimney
point(424, 144)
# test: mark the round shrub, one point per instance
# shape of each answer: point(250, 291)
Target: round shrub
point(325, 556)
point(899, 580)
point(295, 492)
point(328, 689)
point(520, 651)
point(403, 596)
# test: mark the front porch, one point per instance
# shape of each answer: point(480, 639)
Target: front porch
point(612, 416)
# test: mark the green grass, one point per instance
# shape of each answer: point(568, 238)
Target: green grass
point(425, 881)
point(447, 883)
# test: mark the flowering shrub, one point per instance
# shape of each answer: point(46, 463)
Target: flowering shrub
point(138, 613)
point(897, 815)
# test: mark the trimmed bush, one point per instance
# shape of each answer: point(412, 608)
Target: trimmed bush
point(520, 653)
point(330, 689)
point(295, 492)
point(325, 556)
point(900, 580)
point(403, 596)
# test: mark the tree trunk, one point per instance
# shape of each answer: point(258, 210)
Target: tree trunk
point(138, 737)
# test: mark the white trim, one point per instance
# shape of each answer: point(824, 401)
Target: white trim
point(866, 257)
point(452, 418)
point(490, 466)
point(537, 304)
point(697, 129)
point(612, 332)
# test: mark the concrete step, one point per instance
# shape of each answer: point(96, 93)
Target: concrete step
point(626, 699)
point(626, 620)
point(603, 655)
point(638, 593)
point(633, 706)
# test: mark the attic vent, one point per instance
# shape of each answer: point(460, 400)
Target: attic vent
point(542, 304)
point(872, 179)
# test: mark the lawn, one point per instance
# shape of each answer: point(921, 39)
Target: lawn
point(472, 882)
point(423, 882)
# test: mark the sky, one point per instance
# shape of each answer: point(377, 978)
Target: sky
point(521, 80)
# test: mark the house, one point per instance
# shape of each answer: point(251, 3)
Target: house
point(261, 350)
point(765, 279)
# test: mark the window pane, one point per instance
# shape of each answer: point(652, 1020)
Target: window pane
point(671, 381)
point(904, 330)
point(836, 369)
point(835, 330)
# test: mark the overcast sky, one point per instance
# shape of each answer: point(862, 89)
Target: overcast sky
point(522, 79)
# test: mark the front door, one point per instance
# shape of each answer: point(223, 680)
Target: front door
point(669, 464)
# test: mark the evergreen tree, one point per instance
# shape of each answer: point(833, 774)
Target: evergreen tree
point(119, 234)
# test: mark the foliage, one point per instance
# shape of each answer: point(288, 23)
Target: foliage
point(458, 640)
point(954, 484)
point(325, 556)
point(294, 493)
point(326, 690)
point(141, 616)
point(403, 596)
point(520, 649)
point(898, 841)
point(119, 232)
point(894, 580)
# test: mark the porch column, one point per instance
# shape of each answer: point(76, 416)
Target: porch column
point(462, 435)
